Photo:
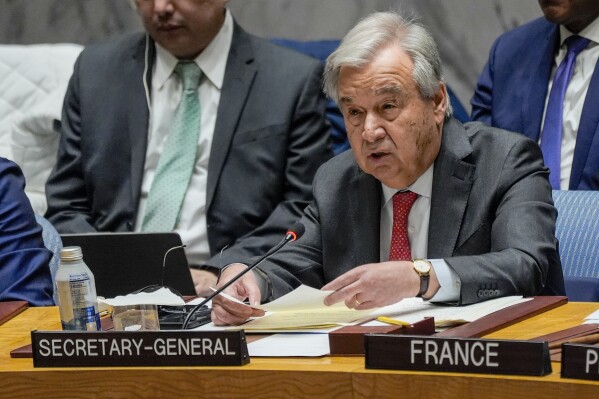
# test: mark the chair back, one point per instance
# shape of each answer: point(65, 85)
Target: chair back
point(577, 230)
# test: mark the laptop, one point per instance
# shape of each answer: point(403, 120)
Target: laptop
point(126, 262)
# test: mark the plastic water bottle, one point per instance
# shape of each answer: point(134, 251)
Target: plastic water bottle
point(76, 292)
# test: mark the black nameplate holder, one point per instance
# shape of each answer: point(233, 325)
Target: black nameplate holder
point(139, 348)
point(462, 355)
point(580, 361)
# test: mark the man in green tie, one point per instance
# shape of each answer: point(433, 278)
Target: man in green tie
point(196, 127)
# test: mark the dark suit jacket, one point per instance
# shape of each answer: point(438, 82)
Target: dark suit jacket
point(269, 139)
point(491, 219)
point(24, 269)
point(512, 89)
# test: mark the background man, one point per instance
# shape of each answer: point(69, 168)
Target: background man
point(250, 113)
point(542, 80)
point(24, 270)
point(417, 184)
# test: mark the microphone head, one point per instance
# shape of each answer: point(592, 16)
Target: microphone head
point(296, 231)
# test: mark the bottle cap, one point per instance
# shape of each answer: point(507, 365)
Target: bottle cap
point(71, 253)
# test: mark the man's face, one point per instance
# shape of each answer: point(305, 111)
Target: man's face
point(183, 27)
point(394, 133)
point(573, 14)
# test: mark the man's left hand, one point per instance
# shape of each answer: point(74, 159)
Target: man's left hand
point(377, 284)
point(203, 280)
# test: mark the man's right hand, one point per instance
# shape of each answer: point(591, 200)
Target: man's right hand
point(227, 312)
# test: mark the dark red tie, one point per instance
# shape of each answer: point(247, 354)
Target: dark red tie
point(400, 245)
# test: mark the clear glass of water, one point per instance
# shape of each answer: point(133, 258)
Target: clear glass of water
point(135, 318)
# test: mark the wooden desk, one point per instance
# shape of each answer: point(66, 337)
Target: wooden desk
point(335, 377)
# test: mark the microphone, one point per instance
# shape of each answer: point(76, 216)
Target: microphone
point(164, 259)
point(295, 232)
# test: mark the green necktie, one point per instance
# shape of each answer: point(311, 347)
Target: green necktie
point(178, 157)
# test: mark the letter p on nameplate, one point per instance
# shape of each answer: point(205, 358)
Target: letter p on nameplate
point(461, 355)
point(138, 348)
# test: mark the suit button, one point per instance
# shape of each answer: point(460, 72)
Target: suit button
point(129, 226)
point(496, 292)
point(480, 293)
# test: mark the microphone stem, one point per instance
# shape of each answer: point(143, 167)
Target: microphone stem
point(233, 280)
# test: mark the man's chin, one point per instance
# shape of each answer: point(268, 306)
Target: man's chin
point(391, 178)
point(179, 47)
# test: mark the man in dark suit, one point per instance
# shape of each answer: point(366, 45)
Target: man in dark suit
point(24, 270)
point(514, 89)
point(262, 135)
point(422, 205)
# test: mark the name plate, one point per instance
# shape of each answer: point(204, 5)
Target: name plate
point(138, 348)
point(580, 361)
point(463, 355)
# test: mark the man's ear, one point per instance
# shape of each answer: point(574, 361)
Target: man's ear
point(440, 101)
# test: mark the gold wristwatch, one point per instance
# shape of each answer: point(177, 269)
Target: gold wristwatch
point(423, 268)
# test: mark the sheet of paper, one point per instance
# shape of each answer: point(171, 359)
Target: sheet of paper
point(290, 345)
point(212, 327)
point(311, 318)
point(197, 301)
point(412, 310)
point(593, 318)
point(301, 298)
point(304, 308)
point(162, 296)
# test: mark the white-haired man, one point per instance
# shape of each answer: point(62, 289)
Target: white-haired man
point(422, 205)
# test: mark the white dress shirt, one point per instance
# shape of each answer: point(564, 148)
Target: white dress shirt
point(418, 221)
point(576, 93)
point(165, 96)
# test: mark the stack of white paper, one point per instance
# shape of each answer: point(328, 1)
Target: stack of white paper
point(303, 310)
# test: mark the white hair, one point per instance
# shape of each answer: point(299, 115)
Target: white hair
point(379, 30)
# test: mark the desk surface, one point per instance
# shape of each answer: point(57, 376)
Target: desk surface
point(338, 377)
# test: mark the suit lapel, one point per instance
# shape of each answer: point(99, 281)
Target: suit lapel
point(539, 72)
point(138, 122)
point(239, 77)
point(589, 126)
point(452, 181)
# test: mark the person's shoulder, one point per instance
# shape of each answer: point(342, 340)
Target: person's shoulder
point(267, 51)
point(105, 60)
point(7, 165)
point(123, 46)
point(491, 139)
point(339, 168)
point(11, 176)
point(528, 33)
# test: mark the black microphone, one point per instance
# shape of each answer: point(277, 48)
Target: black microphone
point(295, 232)
point(164, 259)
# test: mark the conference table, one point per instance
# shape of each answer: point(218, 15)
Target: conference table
point(324, 377)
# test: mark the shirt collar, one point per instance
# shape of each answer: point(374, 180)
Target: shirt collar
point(591, 32)
point(212, 61)
point(423, 186)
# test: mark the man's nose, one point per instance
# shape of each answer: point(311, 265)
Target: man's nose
point(163, 7)
point(373, 130)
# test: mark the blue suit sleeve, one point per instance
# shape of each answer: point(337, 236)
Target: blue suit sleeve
point(482, 100)
point(24, 270)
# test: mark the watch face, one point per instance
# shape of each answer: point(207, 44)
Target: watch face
point(422, 267)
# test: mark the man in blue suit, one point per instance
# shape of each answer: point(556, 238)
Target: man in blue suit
point(24, 270)
point(514, 88)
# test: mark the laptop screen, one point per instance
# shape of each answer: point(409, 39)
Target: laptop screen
point(126, 262)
